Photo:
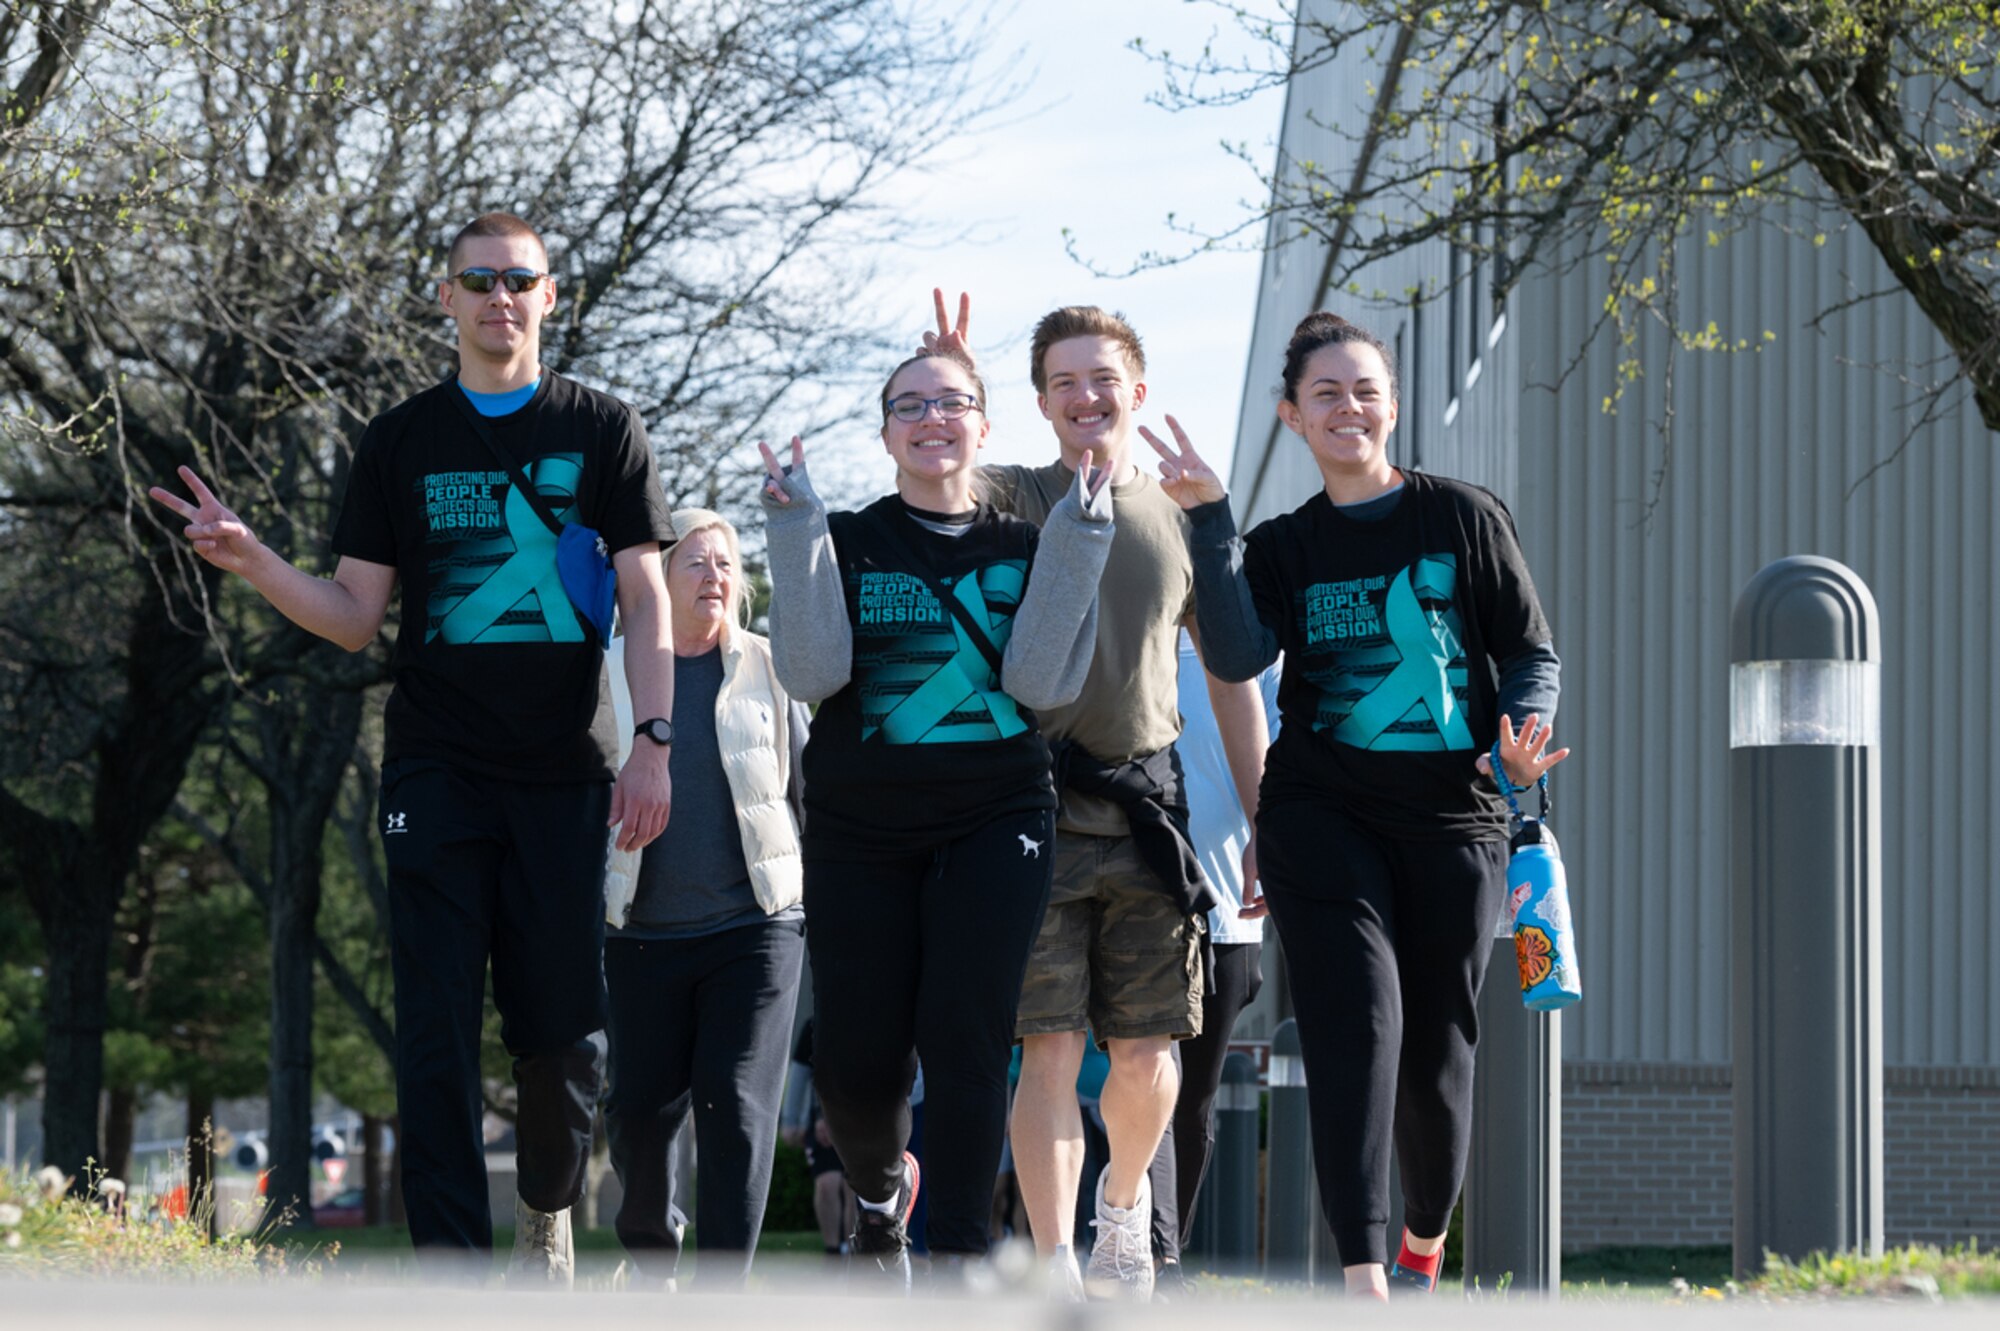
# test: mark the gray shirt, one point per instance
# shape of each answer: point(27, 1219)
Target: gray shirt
point(693, 879)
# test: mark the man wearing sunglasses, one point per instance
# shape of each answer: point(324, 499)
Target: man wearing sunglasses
point(498, 778)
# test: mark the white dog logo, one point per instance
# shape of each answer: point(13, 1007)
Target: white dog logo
point(1029, 848)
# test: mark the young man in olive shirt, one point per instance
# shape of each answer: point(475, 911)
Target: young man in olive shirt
point(497, 782)
point(1120, 951)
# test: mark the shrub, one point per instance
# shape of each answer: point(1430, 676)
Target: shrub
point(791, 1204)
point(49, 1227)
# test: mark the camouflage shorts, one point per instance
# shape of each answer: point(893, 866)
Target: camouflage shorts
point(1114, 952)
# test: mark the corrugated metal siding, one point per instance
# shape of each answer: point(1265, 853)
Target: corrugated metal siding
point(1273, 471)
point(1639, 576)
point(1767, 448)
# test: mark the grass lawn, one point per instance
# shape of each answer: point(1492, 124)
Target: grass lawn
point(385, 1251)
point(1644, 1274)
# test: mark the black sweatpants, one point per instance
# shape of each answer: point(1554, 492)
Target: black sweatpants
point(1389, 941)
point(1182, 1161)
point(922, 955)
point(702, 1024)
point(513, 871)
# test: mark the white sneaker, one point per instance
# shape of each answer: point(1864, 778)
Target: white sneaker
point(543, 1251)
point(1065, 1276)
point(1121, 1261)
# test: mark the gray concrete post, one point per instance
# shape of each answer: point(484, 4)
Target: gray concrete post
point(1805, 888)
point(1513, 1184)
point(1291, 1202)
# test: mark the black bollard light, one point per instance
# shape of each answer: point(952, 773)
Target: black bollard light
point(1806, 897)
point(1291, 1202)
point(1226, 1214)
point(1513, 1184)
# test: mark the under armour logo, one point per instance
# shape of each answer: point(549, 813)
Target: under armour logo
point(1029, 848)
point(396, 823)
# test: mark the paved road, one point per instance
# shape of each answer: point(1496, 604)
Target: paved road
point(812, 1306)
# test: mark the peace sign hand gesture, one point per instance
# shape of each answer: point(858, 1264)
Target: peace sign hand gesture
point(1187, 480)
point(781, 487)
point(947, 340)
point(1092, 482)
point(217, 534)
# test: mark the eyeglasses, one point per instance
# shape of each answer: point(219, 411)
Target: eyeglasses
point(479, 281)
point(951, 406)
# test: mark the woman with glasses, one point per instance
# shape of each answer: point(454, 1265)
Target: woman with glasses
point(702, 956)
point(929, 627)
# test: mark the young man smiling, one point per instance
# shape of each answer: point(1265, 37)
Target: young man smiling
point(1120, 951)
point(497, 774)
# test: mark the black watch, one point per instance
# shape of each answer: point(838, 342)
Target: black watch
point(659, 730)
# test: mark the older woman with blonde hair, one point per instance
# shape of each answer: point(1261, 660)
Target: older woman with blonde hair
point(703, 955)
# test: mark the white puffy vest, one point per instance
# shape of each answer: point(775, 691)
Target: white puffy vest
point(753, 731)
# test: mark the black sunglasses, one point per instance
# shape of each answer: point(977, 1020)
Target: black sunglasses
point(479, 281)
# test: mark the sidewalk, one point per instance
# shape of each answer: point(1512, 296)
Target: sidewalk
point(258, 1307)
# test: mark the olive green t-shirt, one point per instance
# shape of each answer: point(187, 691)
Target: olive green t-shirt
point(1129, 704)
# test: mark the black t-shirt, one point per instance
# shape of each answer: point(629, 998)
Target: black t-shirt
point(495, 670)
point(1389, 629)
point(922, 745)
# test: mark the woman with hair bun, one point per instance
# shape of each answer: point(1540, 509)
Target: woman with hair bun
point(1396, 597)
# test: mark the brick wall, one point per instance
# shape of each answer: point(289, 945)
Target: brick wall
point(1647, 1154)
point(1941, 1145)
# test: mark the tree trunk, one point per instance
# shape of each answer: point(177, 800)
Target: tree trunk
point(75, 873)
point(78, 938)
point(397, 1215)
point(120, 1109)
point(305, 755)
point(201, 1158)
point(293, 915)
point(371, 1170)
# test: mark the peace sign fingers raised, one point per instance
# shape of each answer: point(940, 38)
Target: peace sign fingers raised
point(1187, 480)
point(774, 474)
point(949, 340)
point(216, 533)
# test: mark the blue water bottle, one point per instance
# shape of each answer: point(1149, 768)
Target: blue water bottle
point(1538, 899)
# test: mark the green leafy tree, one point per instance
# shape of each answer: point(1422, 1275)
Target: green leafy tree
point(1609, 132)
point(20, 995)
point(224, 226)
point(190, 1002)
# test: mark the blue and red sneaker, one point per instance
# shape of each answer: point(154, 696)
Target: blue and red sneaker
point(1413, 1273)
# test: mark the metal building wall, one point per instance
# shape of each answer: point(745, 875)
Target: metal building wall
point(1638, 564)
point(1640, 556)
point(1273, 472)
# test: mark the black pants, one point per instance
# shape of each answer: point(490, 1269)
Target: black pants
point(513, 871)
point(1391, 940)
point(702, 1024)
point(1182, 1161)
point(923, 955)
